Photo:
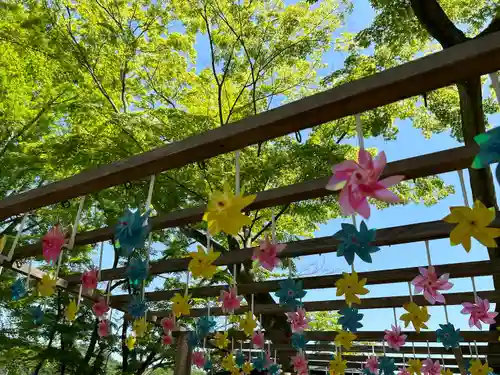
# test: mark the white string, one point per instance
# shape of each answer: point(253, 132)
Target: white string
point(373, 349)
point(359, 130)
point(383, 347)
point(413, 346)
point(409, 290)
point(273, 227)
point(187, 283)
point(150, 192)
point(100, 262)
point(71, 243)
point(275, 355)
point(234, 277)
point(354, 221)
point(474, 287)
point(404, 363)
point(477, 352)
point(108, 292)
point(29, 274)
point(462, 184)
point(428, 349)
point(496, 84)
point(237, 171)
point(79, 295)
point(260, 322)
point(427, 249)
point(446, 313)
point(395, 319)
point(444, 364)
point(18, 235)
point(252, 307)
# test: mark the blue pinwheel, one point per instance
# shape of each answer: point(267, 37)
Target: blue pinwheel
point(132, 231)
point(290, 294)
point(137, 271)
point(350, 319)
point(449, 336)
point(37, 315)
point(386, 366)
point(357, 243)
point(274, 369)
point(299, 340)
point(208, 365)
point(137, 308)
point(18, 290)
point(193, 339)
point(239, 359)
point(205, 326)
point(489, 150)
point(260, 362)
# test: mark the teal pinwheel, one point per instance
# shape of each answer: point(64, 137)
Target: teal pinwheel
point(260, 362)
point(193, 339)
point(299, 340)
point(449, 336)
point(137, 271)
point(205, 326)
point(37, 315)
point(290, 294)
point(18, 290)
point(240, 359)
point(350, 319)
point(208, 365)
point(386, 366)
point(274, 369)
point(354, 242)
point(137, 308)
point(366, 371)
point(131, 231)
point(489, 148)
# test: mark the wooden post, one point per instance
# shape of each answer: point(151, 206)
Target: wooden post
point(183, 355)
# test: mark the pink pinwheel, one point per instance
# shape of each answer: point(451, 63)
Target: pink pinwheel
point(394, 338)
point(230, 300)
point(479, 312)
point(360, 181)
point(267, 253)
point(298, 320)
point(300, 363)
point(100, 308)
point(103, 328)
point(372, 364)
point(198, 359)
point(89, 279)
point(167, 339)
point(52, 244)
point(430, 284)
point(168, 324)
point(258, 340)
point(431, 368)
point(403, 371)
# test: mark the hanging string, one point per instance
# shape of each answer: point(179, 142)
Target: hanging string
point(470, 349)
point(260, 322)
point(79, 295)
point(404, 362)
point(496, 85)
point(427, 249)
point(477, 352)
point(442, 359)
point(359, 130)
point(187, 283)
point(18, 236)
point(409, 290)
point(353, 217)
point(29, 274)
point(108, 292)
point(446, 314)
point(235, 270)
point(373, 349)
point(111, 322)
point(71, 243)
point(462, 184)
point(413, 347)
point(237, 171)
point(474, 287)
point(100, 262)
point(150, 244)
point(289, 268)
point(252, 307)
point(383, 347)
point(395, 319)
point(275, 355)
point(428, 349)
point(150, 192)
point(273, 227)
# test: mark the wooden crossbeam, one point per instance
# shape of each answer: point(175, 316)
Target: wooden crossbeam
point(480, 268)
point(415, 167)
point(360, 358)
point(366, 303)
point(472, 58)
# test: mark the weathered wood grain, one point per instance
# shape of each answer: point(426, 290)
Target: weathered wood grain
point(473, 58)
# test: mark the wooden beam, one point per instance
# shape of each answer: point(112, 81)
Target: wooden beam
point(183, 354)
point(480, 268)
point(366, 303)
point(473, 58)
point(362, 358)
point(415, 167)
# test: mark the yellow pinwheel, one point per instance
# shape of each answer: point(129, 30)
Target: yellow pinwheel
point(472, 222)
point(130, 342)
point(477, 368)
point(345, 339)
point(140, 327)
point(228, 362)
point(220, 340)
point(181, 305)
point(417, 315)
point(224, 214)
point(202, 263)
point(248, 323)
point(338, 365)
point(46, 286)
point(446, 371)
point(350, 286)
point(414, 366)
point(71, 311)
point(247, 368)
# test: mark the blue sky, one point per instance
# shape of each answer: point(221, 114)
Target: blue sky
point(409, 143)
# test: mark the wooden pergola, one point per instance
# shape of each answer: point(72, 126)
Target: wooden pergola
point(451, 66)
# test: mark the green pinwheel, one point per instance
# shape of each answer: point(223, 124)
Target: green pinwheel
point(386, 366)
point(350, 319)
point(449, 336)
point(354, 242)
point(290, 294)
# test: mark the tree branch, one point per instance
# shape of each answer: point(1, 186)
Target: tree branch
point(494, 26)
point(266, 227)
point(437, 23)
